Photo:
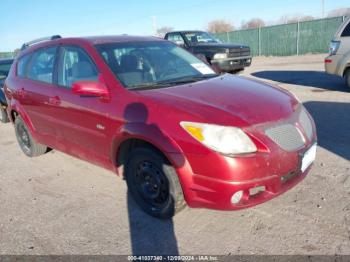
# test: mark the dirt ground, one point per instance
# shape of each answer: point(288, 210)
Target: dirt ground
point(56, 204)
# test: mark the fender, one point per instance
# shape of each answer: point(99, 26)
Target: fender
point(153, 135)
point(149, 133)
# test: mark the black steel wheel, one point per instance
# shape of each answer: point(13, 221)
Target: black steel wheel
point(153, 183)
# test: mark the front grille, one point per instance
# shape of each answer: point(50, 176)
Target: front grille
point(305, 122)
point(238, 52)
point(287, 136)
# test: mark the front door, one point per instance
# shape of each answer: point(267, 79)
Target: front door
point(81, 121)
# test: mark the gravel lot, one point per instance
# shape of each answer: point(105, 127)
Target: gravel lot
point(56, 204)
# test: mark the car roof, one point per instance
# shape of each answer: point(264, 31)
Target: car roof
point(91, 40)
point(95, 40)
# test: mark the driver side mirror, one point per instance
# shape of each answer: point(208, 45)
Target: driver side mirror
point(90, 89)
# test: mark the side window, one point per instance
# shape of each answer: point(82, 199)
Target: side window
point(176, 38)
point(22, 66)
point(75, 65)
point(346, 31)
point(42, 65)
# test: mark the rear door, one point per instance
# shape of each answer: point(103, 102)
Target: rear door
point(36, 87)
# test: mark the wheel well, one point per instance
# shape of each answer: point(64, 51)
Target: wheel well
point(127, 146)
point(346, 70)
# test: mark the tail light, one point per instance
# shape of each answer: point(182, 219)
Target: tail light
point(333, 48)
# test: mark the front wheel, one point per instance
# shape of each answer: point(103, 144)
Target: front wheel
point(26, 141)
point(153, 183)
point(3, 115)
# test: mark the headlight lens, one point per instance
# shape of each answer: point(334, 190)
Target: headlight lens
point(333, 48)
point(220, 56)
point(223, 139)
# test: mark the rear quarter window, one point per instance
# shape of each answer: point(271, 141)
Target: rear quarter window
point(346, 31)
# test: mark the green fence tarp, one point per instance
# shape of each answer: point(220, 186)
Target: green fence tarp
point(6, 55)
point(288, 39)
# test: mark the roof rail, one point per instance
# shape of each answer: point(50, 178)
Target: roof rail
point(35, 41)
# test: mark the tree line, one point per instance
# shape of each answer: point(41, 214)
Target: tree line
point(221, 25)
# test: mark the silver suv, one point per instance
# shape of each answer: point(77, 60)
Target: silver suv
point(338, 61)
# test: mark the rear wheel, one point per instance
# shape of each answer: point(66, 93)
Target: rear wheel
point(3, 115)
point(26, 141)
point(153, 183)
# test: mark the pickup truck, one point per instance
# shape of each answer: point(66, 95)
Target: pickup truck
point(229, 58)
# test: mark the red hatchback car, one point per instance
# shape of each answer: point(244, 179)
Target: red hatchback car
point(160, 117)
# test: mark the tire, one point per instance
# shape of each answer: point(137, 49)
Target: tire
point(26, 141)
point(3, 115)
point(153, 183)
point(347, 77)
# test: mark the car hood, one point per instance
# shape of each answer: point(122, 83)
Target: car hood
point(218, 45)
point(226, 100)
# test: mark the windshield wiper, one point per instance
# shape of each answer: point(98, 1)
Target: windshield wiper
point(166, 83)
point(148, 85)
point(189, 79)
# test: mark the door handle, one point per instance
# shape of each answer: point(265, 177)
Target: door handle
point(55, 100)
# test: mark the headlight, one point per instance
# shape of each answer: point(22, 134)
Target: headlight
point(220, 56)
point(223, 139)
point(333, 48)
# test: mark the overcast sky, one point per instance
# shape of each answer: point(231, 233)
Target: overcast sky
point(24, 20)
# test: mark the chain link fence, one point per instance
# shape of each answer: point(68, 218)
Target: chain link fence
point(288, 39)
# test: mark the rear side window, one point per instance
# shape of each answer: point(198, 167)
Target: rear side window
point(42, 65)
point(75, 65)
point(346, 31)
point(22, 66)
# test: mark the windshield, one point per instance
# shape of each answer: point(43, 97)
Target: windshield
point(153, 64)
point(4, 69)
point(200, 37)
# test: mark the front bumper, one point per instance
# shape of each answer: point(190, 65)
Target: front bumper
point(276, 176)
point(231, 64)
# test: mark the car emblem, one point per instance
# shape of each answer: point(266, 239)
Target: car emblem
point(101, 127)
